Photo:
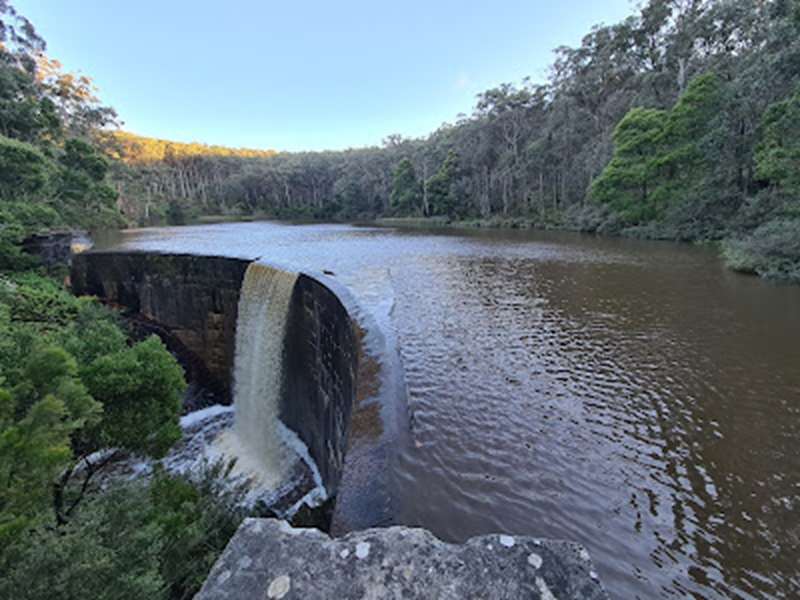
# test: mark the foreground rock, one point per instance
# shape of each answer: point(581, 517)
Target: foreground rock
point(269, 559)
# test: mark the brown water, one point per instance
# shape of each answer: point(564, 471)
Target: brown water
point(633, 396)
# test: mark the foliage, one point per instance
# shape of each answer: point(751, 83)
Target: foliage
point(406, 194)
point(66, 362)
point(109, 551)
point(626, 184)
point(46, 406)
point(197, 519)
point(33, 449)
point(141, 540)
point(659, 160)
point(11, 253)
point(84, 196)
point(50, 162)
point(442, 189)
point(38, 301)
point(23, 169)
point(92, 333)
point(778, 154)
point(772, 250)
point(140, 389)
point(132, 148)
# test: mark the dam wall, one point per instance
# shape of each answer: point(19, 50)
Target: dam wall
point(192, 302)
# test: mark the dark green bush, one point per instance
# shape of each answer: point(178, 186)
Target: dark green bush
point(24, 170)
point(109, 551)
point(38, 300)
point(772, 250)
point(155, 540)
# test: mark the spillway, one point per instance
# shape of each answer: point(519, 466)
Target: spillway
point(258, 440)
point(279, 346)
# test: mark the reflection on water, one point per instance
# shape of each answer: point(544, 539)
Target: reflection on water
point(635, 397)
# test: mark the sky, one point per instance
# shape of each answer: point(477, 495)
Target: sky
point(302, 74)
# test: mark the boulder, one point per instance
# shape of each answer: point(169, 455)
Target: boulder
point(268, 559)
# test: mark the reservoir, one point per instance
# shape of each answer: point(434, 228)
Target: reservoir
point(636, 397)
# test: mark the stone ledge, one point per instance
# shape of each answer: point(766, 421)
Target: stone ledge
point(268, 559)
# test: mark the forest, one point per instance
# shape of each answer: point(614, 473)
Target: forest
point(678, 123)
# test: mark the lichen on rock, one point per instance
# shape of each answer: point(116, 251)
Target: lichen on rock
point(397, 562)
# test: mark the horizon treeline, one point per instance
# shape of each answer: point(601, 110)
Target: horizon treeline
point(679, 122)
point(696, 82)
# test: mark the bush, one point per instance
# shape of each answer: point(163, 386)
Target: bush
point(38, 420)
point(30, 216)
point(94, 332)
point(24, 170)
point(141, 390)
point(772, 250)
point(109, 551)
point(38, 300)
point(197, 520)
point(70, 356)
point(140, 540)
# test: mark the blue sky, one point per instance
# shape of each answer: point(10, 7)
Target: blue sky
point(303, 75)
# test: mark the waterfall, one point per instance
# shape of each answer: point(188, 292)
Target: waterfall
point(257, 439)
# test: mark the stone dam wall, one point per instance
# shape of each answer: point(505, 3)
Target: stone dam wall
point(192, 302)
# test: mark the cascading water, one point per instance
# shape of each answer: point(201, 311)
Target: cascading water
point(258, 439)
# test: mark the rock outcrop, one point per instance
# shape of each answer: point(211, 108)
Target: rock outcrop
point(269, 559)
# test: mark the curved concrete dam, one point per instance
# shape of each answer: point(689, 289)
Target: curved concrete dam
point(281, 344)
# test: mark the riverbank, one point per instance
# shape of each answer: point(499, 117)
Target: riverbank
point(771, 251)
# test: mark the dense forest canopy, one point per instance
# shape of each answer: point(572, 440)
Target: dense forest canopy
point(663, 125)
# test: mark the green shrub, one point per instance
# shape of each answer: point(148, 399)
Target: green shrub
point(778, 154)
point(31, 216)
point(154, 540)
point(24, 170)
point(772, 250)
point(38, 300)
point(110, 551)
point(72, 352)
point(33, 450)
point(95, 331)
point(197, 520)
point(140, 389)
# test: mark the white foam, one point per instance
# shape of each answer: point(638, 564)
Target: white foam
point(318, 494)
point(198, 416)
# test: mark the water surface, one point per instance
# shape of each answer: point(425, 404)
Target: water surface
point(633, 396)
